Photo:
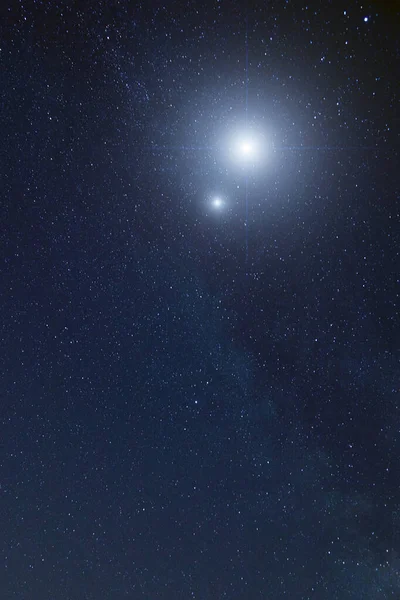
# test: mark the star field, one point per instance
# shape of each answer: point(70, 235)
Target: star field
point(199, 295)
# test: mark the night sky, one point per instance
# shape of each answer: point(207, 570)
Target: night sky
point(199, 269)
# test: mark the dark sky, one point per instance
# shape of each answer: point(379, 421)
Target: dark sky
point(199, 402)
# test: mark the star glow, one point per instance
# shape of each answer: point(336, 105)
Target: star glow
point(217, 202)
point(245, 148)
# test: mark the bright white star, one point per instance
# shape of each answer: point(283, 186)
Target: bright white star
point(247, 149)
point(217, 202)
